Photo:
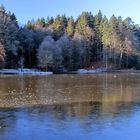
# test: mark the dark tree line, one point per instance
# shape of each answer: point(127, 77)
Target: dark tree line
point(64, 44)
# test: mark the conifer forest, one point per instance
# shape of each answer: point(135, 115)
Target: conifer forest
point(63, 43)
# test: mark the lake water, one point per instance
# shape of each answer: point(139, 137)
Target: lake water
point(70, 107)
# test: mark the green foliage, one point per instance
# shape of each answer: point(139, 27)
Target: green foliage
point(70, 27)
point(59, 26)
point(84, 21)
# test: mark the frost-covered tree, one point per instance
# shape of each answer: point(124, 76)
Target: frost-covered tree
point(9, 37)
point(65, 44)
point(49, 55)
point(2, 53)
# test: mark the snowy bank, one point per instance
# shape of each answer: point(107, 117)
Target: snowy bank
point(24, 72)
point(91, 71)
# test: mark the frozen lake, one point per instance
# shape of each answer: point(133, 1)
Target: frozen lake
point(70, 107)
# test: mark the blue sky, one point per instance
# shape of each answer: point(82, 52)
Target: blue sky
point(29, 9)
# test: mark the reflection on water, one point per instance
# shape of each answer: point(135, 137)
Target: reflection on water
point(70, 107)
point(17, 91)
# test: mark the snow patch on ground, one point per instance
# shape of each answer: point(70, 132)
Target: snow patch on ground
point(91, 71)
point(24, 71)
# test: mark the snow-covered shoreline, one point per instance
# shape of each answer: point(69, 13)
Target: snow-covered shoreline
point(80, 71)
point(24, 72)
point(38, 72)
point(91, 71)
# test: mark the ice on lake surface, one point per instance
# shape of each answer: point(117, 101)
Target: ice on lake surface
point(70, 107)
